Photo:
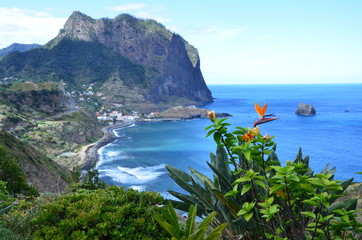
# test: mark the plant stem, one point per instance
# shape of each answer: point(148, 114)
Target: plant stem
point(229, 152)
point(316, 225)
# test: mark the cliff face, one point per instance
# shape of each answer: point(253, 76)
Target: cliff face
point(147, 43)
point(125, 54)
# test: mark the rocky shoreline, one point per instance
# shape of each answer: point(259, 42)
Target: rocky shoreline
point(91, 155)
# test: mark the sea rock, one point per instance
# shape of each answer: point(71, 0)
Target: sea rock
point(305, 110)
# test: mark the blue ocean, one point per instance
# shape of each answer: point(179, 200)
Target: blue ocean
point(137, 158)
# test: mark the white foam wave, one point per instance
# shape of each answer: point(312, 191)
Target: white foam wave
point(120, 134)
point(114, 153)
point(137, 175)
point(139, 188)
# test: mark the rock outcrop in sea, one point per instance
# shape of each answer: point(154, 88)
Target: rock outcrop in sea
point(305, 110)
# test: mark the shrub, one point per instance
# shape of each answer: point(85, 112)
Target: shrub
point(111, 213)
point(261, 199)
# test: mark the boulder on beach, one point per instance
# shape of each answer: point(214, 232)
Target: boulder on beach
point(305, 110)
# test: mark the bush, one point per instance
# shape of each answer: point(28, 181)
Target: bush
point(111, 213)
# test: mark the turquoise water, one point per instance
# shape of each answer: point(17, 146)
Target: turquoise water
point(137, 158)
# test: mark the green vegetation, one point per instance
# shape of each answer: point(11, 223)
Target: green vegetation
point(29, 86)
point(252, 195)
point(12, 174)
point(69, 60)
point(188, 231)
point(37, 168)
point(261, 199)
point(111, 213)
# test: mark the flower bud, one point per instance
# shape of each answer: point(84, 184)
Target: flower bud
point(267, 137)
point(211, 115)
point(256, 130)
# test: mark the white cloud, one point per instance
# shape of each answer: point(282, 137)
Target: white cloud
point(142, 10)
point(27, 26)
point(128, 7)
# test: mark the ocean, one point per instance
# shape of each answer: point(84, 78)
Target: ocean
point(137, 158)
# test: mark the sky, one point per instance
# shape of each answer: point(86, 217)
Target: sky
point(239, 41)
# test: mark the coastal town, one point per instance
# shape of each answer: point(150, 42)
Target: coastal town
point(116, 116)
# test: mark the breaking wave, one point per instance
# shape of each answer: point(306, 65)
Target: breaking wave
point(135, 175)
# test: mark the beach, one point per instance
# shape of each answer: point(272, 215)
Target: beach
point(88, 155)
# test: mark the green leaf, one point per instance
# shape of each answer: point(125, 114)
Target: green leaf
point(217, 137)
point(168, 227)
point(208, 127)
point(231, 205)
point(190, 223)
point(348, 204)
point(206, 222)
point(261, 184)
point(210, 132)
point(311, 202)
point(309, 214)
point(205, 180)
point(245, 189)
point(276, 188)
point(248, 216)
point(216, 232)
point(247, 155)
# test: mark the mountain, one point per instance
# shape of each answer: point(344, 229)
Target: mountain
point(17, 47)
point(128, 60)
point(39, 170)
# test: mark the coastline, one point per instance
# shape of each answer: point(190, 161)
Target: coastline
point(88, 154)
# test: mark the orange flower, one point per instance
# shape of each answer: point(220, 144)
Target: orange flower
point(261, 112)
point(248, 136)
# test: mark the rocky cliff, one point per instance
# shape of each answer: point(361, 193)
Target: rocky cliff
point(131, 60)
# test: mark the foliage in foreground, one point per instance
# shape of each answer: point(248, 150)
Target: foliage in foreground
point(111, 213)
point(261, 199)
point(188, 232)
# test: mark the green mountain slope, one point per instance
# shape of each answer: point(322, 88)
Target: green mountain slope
point(39, 170)
point(17, 47)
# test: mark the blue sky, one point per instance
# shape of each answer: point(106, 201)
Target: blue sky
point(239, 42)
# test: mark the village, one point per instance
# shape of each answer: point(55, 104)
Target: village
point(115, 116)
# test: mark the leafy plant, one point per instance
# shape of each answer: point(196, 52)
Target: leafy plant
point(189, 231)
point(261, 199)
point(111, 213)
